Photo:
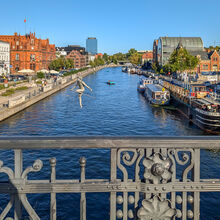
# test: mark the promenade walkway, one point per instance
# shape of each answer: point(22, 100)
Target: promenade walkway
point(12, 104)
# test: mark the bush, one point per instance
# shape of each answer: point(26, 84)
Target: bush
point(2, 87)
point(22, 88)
point(8, 92)
point(75, 71)
point(40, 75)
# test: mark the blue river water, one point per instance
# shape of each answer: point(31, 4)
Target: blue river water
point(108, 110)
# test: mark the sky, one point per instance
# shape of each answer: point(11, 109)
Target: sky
point(117, 24)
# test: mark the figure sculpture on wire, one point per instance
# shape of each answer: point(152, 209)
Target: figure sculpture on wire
point(81, 89)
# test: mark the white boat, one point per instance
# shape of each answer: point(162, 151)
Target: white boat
point(157, 95)
point(142, 84)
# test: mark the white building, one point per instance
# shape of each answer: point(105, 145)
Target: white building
point(4, 58)
point(60, 51)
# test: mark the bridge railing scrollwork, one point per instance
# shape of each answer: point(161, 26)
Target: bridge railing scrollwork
point(150, 177)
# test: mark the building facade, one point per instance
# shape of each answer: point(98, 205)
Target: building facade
point(208, 61)
point(29, 52)
point(64, 51)
point(155, 54)
point(147, 57)
point(91, 45)
point(166, 46)
point(4, 58)
point(78, 58)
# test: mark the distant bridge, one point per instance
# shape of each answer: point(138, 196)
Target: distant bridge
point(122, 62)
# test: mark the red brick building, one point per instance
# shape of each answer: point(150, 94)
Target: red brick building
point(209, 61)
point(28, 52)
point(147, 57)
point(78, 58)
point(98, 55)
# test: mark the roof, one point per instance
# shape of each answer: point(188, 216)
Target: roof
point(190, 43)
point(154, 87)
point(4, 42)
point(203, 54)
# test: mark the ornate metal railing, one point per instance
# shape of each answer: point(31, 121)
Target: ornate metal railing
point(145, 181)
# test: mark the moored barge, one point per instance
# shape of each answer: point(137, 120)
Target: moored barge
point(157, 95)
point(194, 102)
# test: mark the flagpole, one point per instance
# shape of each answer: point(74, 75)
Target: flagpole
point(25, 25)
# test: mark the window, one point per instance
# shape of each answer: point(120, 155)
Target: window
point(205, 66)
point(17, 56)
point(215, 67)
point(215, 59)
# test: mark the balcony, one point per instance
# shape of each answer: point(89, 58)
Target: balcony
point(149, 177)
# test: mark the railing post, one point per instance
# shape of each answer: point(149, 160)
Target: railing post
point(18, 168)
point(196, 178)
point(82, 162)
point(113, 179)
point(53, 205)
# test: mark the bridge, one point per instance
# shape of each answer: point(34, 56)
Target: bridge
point(160, 176)
point(123, 62)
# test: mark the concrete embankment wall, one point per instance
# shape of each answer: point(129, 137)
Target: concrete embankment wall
point(36, 96)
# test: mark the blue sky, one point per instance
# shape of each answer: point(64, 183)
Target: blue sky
point(117, 24)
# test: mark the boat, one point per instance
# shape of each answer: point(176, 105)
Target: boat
point(157, 95)
point(196, 103)
point(142, 84)
point(124, 69)
point(110, 82)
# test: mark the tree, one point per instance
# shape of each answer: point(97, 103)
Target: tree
point(105, 57)
point(131, 52)
point(135, 58)
point(61, 63)
point(40, 75)
point(156, 67)
point(180, 60)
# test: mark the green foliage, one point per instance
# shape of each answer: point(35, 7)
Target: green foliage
point(61, 63)
point(2, 86)
point(131, 52)
point(21, 88)
point(40, 75)
point(180, 60)
point(12, 91)
point(97, 62)
point(105, 57)
point(8, 92)
point(156, 67)
point(135, 58)
point(213, 48)
point(75, 71)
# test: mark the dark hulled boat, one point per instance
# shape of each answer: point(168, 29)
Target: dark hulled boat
point(195, 103)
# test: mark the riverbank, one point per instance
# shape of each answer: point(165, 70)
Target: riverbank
point(21, 100)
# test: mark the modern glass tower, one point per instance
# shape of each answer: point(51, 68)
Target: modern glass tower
point(91, 45)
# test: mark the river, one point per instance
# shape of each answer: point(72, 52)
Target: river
point(108, 110)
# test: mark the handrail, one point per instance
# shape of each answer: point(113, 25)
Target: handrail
point(144, 171)
point(62, 142)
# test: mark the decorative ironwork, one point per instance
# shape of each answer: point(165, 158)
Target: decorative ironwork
point(151, 169)
point(157, 169)
point(156, 208)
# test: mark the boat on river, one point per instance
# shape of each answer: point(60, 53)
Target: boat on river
point(197, 104)
point(157, 95)
point(142, 84)
point(110, 82)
